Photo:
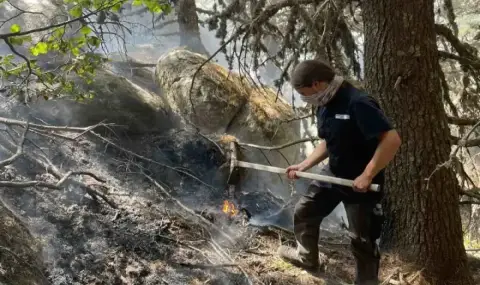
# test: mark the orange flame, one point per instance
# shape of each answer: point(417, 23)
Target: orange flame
point(229, 208)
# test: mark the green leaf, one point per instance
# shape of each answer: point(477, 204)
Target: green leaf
point(76, 11)
point(85, 30)
point(94, 41)
point(75, 51)
point(39, 48)
point(15, 28)
point(137, 2)
point(59, 32)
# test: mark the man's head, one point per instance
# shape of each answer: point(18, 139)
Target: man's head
point(311, 76)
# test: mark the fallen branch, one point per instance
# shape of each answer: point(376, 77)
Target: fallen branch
point(206, 266)
point(8, 121)
point(25, 184)
point(190, 211)
point(90, 129)
point(70, 173)
point(279, 146)
point(49, 167)
point(19, 151)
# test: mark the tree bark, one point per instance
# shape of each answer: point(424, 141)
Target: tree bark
point(402, 70)
point(188, 25)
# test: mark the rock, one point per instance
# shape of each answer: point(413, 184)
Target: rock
point(20, 258)
point(117, 100)
point(226, 103)
point(223, 101)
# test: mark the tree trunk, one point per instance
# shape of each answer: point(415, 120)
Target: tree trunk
point(188, 25)
point(401, 69)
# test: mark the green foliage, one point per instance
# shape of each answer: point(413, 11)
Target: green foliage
point(80, 48)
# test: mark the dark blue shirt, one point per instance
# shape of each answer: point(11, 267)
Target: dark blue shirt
point(351, 124)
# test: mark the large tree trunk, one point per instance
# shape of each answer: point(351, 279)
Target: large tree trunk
point(402, 71)
point(188, 25)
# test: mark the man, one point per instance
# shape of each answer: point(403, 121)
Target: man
point(359, 142)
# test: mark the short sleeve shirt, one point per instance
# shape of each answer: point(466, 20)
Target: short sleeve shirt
point(351, 124)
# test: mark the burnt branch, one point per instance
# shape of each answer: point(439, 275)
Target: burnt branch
point(18, 152)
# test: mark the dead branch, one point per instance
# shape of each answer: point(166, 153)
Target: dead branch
point(50, 167)
point(190, 211)
point(207, 266)
point(8, 121)
point(19, 151)
point(70, 173)
point(25, 184)
point(462, 121)
point(473, 193)
point(466, 143)
point(279, 146)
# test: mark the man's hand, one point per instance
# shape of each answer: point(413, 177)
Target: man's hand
point(294, 168)
point(362, 182)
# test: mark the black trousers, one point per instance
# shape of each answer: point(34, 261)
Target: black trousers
point(365, 219)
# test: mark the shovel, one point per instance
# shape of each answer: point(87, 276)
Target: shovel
point(235, 164)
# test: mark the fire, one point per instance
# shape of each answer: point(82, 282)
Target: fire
point(229, 208)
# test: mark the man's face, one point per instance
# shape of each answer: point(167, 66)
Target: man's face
point(316, 87)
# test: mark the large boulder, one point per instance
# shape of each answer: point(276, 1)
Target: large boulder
point(225, 103)
point(20, 254)
point(222, 101)
point(117, 100)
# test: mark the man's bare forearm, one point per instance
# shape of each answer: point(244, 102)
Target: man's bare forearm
point(318, 155)
point(386, 150)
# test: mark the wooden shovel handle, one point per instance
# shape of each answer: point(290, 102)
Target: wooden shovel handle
point(323, 178)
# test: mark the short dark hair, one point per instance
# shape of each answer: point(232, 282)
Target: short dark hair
point(309, 71)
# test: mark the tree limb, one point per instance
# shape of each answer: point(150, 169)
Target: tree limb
point(466, 143)
point(279, 146)
point(19, 151)
point(462, 121)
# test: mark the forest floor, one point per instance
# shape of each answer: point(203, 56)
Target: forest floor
point(168, 228)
